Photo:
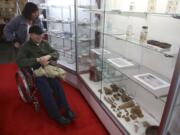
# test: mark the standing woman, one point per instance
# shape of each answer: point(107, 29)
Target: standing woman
point(17, 30)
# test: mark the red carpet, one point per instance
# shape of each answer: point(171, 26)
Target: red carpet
point(18, 118)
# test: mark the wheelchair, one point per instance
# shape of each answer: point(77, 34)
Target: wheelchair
point(26, 87)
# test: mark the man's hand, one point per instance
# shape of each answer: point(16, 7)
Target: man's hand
point(46, 57)
point(16, 44)
point(44, 60)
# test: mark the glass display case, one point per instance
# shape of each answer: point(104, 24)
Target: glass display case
point(58, 18)
point(127, 57)
point(90, 32)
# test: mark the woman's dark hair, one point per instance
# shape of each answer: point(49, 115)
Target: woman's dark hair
point(28, 9)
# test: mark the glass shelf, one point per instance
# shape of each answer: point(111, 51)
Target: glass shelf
point(106, 31)
point(58, 21)
point(141, 14)
point(84, 23)
point(129, 13)
point(86, 7)
point(84, 39)
point(120, 35)
point(136, 69)
point(53, 20)
point(46, 6)
point(165, 52)
point(61, 36)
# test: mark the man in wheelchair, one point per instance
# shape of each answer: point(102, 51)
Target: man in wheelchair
point(37, 53)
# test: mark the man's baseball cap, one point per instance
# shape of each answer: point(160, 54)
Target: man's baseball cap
point(36, 30)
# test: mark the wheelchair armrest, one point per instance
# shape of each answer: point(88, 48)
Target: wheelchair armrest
point(28, 73)
point(26, 70)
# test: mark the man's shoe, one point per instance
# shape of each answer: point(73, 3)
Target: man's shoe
point(63, 121)
point(70, 115)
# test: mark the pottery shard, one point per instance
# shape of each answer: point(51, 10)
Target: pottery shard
point(137, 110)
point(108, 91)
point(127, 119)
point(127, 105)
point(133, 116)
point(116, 96)
point(125, 98)
point(114, 87)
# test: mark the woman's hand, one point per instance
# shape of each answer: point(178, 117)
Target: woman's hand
point(16, 44)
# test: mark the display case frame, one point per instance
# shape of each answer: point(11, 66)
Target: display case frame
point(128, 73)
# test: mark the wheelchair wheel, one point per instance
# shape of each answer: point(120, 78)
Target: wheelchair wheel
point(23, 87)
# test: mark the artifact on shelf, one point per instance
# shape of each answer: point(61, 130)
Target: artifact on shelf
point(152, 81)
point(97, 33)
point(136, 128)
point(110, 69)
point(125, 97)
point(108, 100)
point(114, 109)
point(159, 44)
point(119, 94)
point(94, 74)
point(145, 124)
point(127, 105)
point(99, 3)
point(127, 113)
point(121, 90)
point(127, 119)
point(114, 87)
point(143, 34)
point(125, 110)
point(84, 58)
point(108, 91)
point(137, 110)
point(172, 6)
point(151, 6)
point(97, 39)
point(132, 6)
point(133, 116)
point(84, 22)
point(129, 32)
point(176, 16)
point(113, 99)
point(119, 114)
point(116, 96)
point(113, 106)
point(100, 91)
point(153, 130)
